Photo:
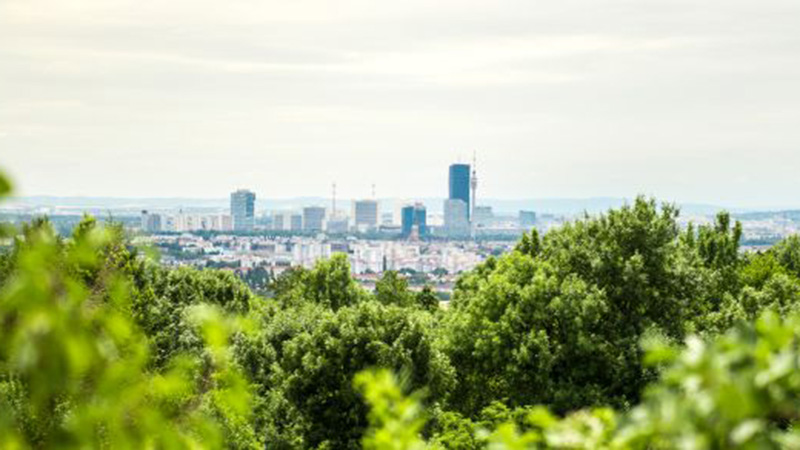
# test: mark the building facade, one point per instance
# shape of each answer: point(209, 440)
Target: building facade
point(151, 223)
point(296, 222)
point(243, 210)
point(313, 218)
point(459, 184)
point(338, 225)
point(365, 214)
point(456, 218)
point(414, 218)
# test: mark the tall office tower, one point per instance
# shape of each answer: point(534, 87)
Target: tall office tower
point(414, 217)
point(313, 218)
point(460, 184)
point(279, 222)
point(243, 210)
point(456, 218)
point(151, 223)
point(365, 213)
point(296, 222)
point(407, 219)
point(421, 219)
point(527, 219)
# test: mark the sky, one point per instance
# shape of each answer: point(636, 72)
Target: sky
point(686, 100)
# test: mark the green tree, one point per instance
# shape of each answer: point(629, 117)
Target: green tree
point(427, 299)
point(304, 360)
point(560, 325)
point(787, 252)
point(392, 289)
point(328, 284)
point(739, 390)
point(74, 365)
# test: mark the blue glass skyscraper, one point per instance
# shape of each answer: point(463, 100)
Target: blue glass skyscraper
point(459, 184)
point(412, 215)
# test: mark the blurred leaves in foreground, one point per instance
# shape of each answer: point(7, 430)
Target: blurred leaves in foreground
point(739, 391)
point(75, 370)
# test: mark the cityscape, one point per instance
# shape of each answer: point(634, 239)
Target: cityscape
point(429, 250)
point(429, 246)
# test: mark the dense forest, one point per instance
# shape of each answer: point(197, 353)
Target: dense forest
point(616, 331)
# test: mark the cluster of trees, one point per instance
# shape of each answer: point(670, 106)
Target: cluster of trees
point(617, 331)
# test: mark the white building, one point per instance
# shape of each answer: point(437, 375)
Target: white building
point(456, 218)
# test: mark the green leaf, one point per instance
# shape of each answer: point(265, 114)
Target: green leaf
point(5, 186)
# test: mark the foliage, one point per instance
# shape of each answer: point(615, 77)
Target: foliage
point(740, 390)
point(73, 364)
point(161, 299)
point(559, 322)
point(328, 284)
point(395, 420)
point(787, 252)
point(392, 289)
point(304, 360)
point(427, 299)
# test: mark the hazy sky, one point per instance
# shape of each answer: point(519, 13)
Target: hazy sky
point(689, 100)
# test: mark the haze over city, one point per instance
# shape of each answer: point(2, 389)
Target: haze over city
point(687, 101)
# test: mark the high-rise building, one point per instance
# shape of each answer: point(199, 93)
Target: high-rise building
point(414, 217)
point(243, 210)
point(527, 219)
point(365, 213)
point(296, 222)
point(151, 223)
point(279, 222)
point(456, 218)
point(421, 220)
point(460, 184)
point(313, 218)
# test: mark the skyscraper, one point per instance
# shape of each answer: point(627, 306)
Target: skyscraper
point(414, 216)
point(421, 219)
point(365, 214)
point(313, 218)
point(456, 218)
point(296, 222)
point(151, 222)
point(243, 209)
point(460, 184)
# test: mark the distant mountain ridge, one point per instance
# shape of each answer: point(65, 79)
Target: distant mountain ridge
point(555, 206)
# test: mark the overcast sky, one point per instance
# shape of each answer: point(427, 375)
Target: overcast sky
point(688, 100)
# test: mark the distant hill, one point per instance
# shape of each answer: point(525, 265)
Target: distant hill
point(555, 206)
